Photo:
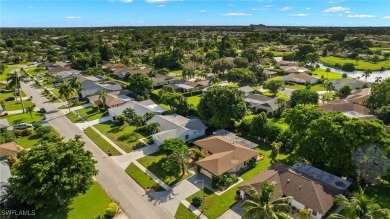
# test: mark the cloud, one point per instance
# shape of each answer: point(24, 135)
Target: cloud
point(285, 9)
point(237, 14)
point(299, 15)
point(308, 9)
point(160, 6)
point(360, 16)
point(161, 1)
point(386, 17)
point(202, 11)
point(231, 5)
point(335, 1)
point(336, 9)
point(73, 17)
point(126, 1)
point(267, 7)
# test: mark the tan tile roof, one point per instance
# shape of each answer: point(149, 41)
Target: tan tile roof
point(302, 76)
point(303, 189)
point(225, 154)
point(359, 95)
point(344, 106)
point(7, 148)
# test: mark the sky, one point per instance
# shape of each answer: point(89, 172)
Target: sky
point(96, 13)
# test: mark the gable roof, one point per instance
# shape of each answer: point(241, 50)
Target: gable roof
point(359, 94)
point(301, 76)
point(246, 89)
point(7, 148)
point(233, 137)
point(140, 108)
point(302, 188)
point(225, 154)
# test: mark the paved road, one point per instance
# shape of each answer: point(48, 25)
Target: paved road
point(113, 179)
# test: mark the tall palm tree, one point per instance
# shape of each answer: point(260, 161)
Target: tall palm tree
point(76, 85)
point(359, 206)
point(66, 91)
point(181, 157)
point(264, 205)
point(30, 109)
point(367, 73)
point(102, 96)
point(14, 83)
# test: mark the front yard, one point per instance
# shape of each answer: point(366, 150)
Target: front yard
point(32, 140)
point(124, 136)
point(17, 105)
point(184, 213)
point(142, 178)
point(360, 65)
point(194, 100)
point(91, 113)
point(153, 163)
point(24, 118)
point(101, 142)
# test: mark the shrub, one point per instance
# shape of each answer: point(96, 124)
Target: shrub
point(224, 181)
point(196, 201)
point(37, 125)
point(348, 67)
point(18, 132)
point(252, 162)
point(120, 120)
point(112, 209)
point(28, 131)
point(41, 131)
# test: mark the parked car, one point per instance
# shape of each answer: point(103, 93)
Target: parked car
point(23, 126)
point(56, 85)
point(73, 99)
point(9, 99)
point(42, 110)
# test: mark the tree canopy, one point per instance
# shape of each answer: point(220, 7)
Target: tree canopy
point(140, 84)
point(241, 76)
point(303, 96)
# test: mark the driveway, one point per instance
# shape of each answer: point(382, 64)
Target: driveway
point(111, 177)
point(234, 212)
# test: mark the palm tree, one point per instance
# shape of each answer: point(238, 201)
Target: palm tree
point(282, 103)
point(102, 96)
point(181, 157)
point(14, 83)
point(264, 205)
point(76, 85)
point(154, 127)
point(66, 91)
point(367, 73)
point(359, 206)
point(378, 80)
point(30, 109)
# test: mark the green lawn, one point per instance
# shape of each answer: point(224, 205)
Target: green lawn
point(16, 105)
point(90, 113)
point(153, 163)
point(32, 71)
point(89, 205)
point(279, 94)
point(194, 100)
point(379, 48)
point(278, 54)
point(3, 76)
point(184, 213)
point(56, 92)
point(24, 118)
point(73, 117)
point(120, 134)
point(30, 141)
point(280, 122)
point(101, 142)
point(361, 64)
point(327, 75)
point(142, 178)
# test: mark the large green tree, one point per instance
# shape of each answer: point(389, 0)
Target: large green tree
point(303, 96)
point(241, 76)
point(141, 84)
point(274, 86)
point(380, 95)
point(56, 171)
point(221, 106)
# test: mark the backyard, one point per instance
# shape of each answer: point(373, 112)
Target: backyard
point(194, 100)
point(142, 178)
point(101, 142)
point(124, 136)
point(9, 68)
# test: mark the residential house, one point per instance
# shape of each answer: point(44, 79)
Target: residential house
point(349, 109)
point(308, 186)
point(286, 63)
point(8, 148)
point(92, 87)
point(160, 80)
point(3, 122)
point(301, 78)
point(234, 138)
point(294, 69)
point(355, 84)
point(37, 59)
point(51, 65)
point(188, 86)
point(270, 74)
point(5, 174)
point(140, 108)
point(258, 102)
point(223, 156)
point(61, 73)
point(246, 90)
point(359, 96)
point(264, 60)
point(176, 126)
point(113, 99)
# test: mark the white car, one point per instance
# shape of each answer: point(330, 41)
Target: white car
point(23, 126)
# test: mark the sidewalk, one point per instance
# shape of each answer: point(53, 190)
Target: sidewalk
point(65, 111)
point(109, 141)
point(124, 160)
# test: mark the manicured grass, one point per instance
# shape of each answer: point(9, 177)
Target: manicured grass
point(153, 162)
point(90, 113)
point(279, 94)
point(31, 141)
point(89, 205)
point(379, 48)
point(142, 178)
point(316, 87)
point(73, 117)
point(16, 105)
point(278, 54)
point(280, 122)
point(184, 213)
point(32, 71)
point(101, 142)
point(24, 118)
point(207, 192)
point(56, 92)
point(194, 100)
point(120, 134)
point(73, 104)
point(4, 76)
point(318, 72)
point(167, 107)
point(361, 64)
point(155, 91)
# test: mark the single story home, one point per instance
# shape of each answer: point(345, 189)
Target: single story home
point(58, 70)
point(286, 63)
point(160, 80)
point(51, 65)
point(301, 78)
point(246, 90)
point(188, 86)
point(177, 126)
point(270, 74)
point(5, 174)
point(223, 156)
point(113, 99)
point(92, 87)
point(359, 96)
point(355, 84)
point(8, 148)
point(294, 69)
point(140, 108)
point(236, 139)
point(310, 187)
point(256, 102)
point(349, 109)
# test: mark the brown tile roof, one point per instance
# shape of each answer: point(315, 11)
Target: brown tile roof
point(112, 98)
point(7, 148)
point(225, 154)
point(344, 106)
point(302, 76)
point(359, 95)
point(60, 69)
point(303, 189)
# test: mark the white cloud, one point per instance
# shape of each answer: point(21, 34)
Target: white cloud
point(336, 9)
point(347, 12)
point(267, 7)
point(231, 5)
point(360, 16)
point(160, 6)
point(386, 17)
point(73, 17)
point(308, 9)
point(236, 14)
point(299, 15)
point(202, 11)
point(285, 9)
point(159, 1)
point(126, 1)
point(335, 1)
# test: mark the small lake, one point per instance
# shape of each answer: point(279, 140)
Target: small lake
point(384, 74)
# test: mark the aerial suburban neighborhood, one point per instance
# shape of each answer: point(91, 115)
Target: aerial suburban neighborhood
point(190, 121)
